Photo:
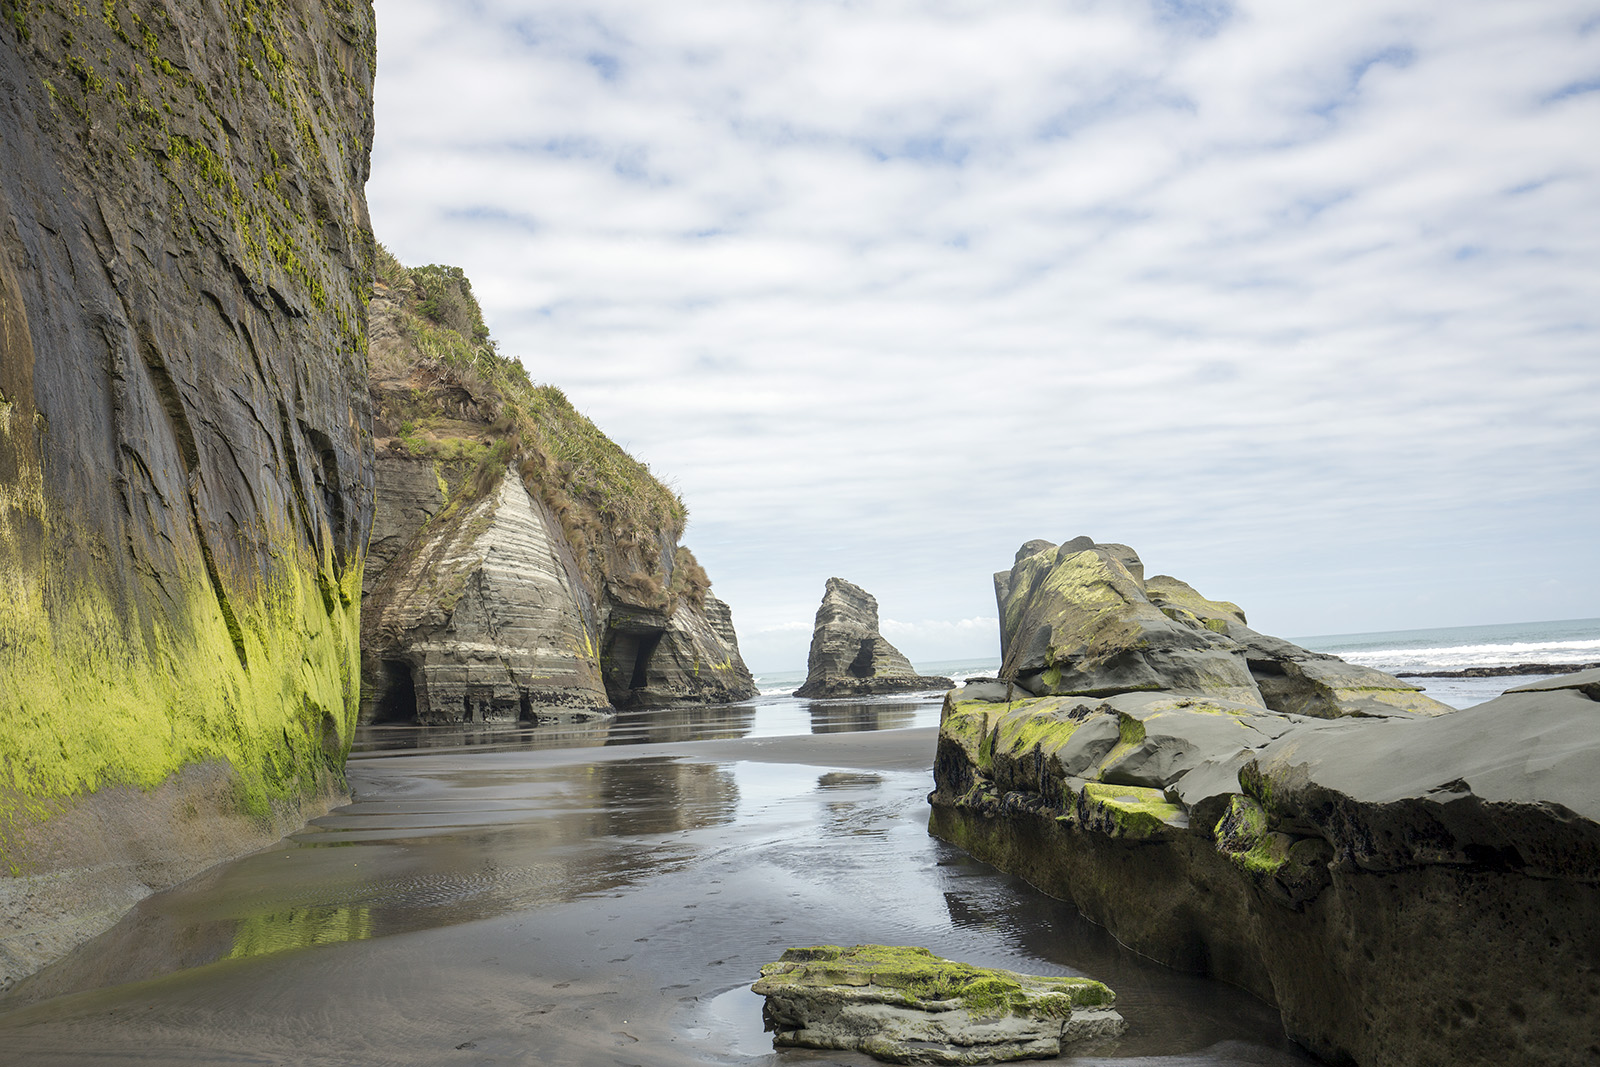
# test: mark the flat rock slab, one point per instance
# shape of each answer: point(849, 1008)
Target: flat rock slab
point(906, 1005)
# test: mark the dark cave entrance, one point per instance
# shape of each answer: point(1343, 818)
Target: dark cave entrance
point(861, 666)
point(399, 700)
point(644, 648)
point(627, 668)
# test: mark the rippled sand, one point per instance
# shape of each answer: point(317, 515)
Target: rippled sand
point(588, 905)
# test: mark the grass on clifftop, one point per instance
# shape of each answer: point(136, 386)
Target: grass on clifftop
point(604, 499)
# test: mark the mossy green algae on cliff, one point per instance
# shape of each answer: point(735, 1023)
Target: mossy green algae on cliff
point(91, 696)
point(184, 440)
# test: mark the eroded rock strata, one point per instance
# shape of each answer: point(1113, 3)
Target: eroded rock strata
point(185, 453)
point(849, 657)
point(1407, 888)
point(906, 1005)
point(522, 566)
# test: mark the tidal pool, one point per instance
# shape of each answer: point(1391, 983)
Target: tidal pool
point(584, 905)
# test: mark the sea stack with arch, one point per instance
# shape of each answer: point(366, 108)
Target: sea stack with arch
point(849, 657)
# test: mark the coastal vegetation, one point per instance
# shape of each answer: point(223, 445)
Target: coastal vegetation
point(615, 513)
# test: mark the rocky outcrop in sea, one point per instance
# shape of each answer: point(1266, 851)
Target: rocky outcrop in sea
point(185, 454)
point(522, 566)
point(1408, 887)
point(849, 657)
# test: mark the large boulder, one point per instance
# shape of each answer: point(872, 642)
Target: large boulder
point(1408, 888)
point(1075, 619)
point(849, 657)
point(1081, 619)
point(906, 1005)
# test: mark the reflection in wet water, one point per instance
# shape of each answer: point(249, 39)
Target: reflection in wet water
point(766, 716)
point(417, 852)
point(531, 907)
point(260, 935)
point(831, 718)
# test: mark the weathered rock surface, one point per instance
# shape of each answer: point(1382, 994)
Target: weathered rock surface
point(688, 657)
point(483, 601)
point(487, 621)
point(185, 449)
point(1080, 619)
point(1407, 889)
point(849, 657)
point(906, 1005)
point(1076, 619)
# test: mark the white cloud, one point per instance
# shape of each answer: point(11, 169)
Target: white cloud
point(1299, 301)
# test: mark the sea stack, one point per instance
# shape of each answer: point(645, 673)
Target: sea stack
point(849, 657)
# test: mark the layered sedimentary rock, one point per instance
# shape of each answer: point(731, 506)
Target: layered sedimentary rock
point(849, 657)
point(1406, 888)
point(906, 1005)
point(1080, 619)
point(496, 590)
point(185, 482)
point(490, 619)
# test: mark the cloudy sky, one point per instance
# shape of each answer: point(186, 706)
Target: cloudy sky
point(1302, 301)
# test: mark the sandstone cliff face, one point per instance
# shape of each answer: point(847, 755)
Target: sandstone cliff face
point(497, 591)
point(1407, 888)
point(849, 657)
point(185, 482)
point(485, 621)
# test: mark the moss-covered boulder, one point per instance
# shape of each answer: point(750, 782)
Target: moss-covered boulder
point(906, 1005)
point(1342, 852)
point(1076, 619)
point(1081, 619)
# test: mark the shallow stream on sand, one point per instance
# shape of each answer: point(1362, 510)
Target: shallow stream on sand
point(584, 905)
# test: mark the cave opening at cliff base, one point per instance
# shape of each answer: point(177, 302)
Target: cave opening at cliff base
point(399, 700)
point(628, 662)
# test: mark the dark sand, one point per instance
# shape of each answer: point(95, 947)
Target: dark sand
point(600, 905)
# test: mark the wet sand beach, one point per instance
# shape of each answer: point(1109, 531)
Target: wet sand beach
point(601, 904)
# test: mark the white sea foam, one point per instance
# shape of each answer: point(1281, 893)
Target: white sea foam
point(1460, 657)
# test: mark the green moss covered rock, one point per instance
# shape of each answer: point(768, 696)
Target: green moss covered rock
point(906, 1005)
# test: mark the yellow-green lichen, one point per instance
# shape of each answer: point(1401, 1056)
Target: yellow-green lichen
point(1130, 735)
point(95, 692)
point(1127, 810)
point(915, 977)
point(1243, 834)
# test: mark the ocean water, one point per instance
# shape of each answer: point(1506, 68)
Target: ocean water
point(1455, 648)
